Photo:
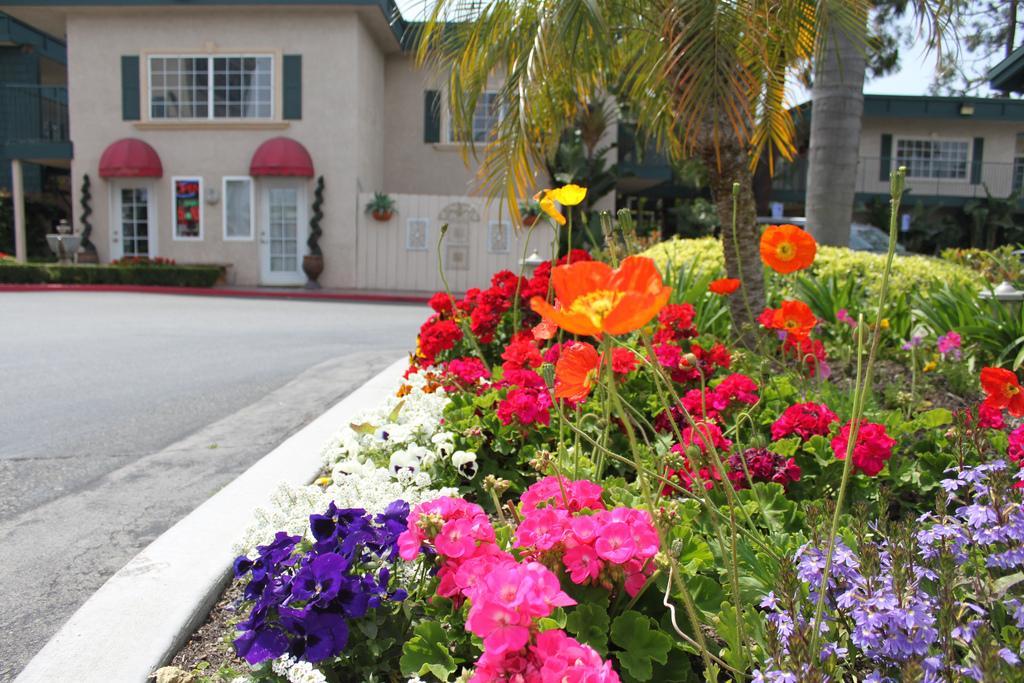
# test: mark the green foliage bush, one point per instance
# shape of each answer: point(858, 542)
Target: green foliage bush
point(163, 276)
point(909, 274)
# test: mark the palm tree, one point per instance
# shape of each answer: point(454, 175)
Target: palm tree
point(838, 106)
point(702, 78)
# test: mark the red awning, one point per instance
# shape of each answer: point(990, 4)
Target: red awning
point(281, 157)
point(130, 158)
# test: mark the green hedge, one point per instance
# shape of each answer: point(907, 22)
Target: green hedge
point(156, 276)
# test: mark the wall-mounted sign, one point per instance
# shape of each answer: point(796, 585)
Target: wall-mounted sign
point(188, 218)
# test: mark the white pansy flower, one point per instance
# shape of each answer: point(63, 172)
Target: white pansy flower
point(465, 463)
point(404, 460)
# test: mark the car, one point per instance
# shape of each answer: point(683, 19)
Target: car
point(863, 236)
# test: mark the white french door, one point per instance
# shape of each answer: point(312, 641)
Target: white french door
point(132, 221)
point(283, 232)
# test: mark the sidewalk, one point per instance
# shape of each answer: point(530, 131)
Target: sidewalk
point(379, 296)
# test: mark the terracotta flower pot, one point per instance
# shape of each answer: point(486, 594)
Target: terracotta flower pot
point(382, 216)
point(312, 266)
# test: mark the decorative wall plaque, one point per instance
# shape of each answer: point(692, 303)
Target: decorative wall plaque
point(416, 234)
point(498, 235)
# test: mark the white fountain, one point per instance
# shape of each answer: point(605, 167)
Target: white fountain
point(63, 244)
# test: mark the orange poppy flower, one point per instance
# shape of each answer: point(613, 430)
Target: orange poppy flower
point(724, 286)
point(576, 371)
point(795, 318)
point(593, 299)
point(787, 248)
point(1003, 390)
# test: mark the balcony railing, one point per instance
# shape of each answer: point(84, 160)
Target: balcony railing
point(1001, 179)
point(33, 113)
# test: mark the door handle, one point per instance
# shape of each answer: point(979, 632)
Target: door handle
point(263, 238)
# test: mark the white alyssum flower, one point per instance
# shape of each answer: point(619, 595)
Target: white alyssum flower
point(396, 424)
point(297, 671)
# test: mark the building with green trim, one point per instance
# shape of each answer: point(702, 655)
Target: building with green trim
point(200, 130)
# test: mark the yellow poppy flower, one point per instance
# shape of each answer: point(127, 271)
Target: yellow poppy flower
point(568, 195)
point(548, 206)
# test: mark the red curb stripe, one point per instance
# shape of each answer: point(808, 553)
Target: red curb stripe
point(213, 291)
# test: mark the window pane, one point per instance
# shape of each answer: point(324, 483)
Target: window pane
point(942, 159)
point(242, 87)
point(177, 87)
point(238, 209)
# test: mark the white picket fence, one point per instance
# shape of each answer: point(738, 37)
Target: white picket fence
point(401, 254)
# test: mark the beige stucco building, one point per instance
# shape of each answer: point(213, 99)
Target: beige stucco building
point(204, 127)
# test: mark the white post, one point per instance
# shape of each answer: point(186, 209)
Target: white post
point(18, 197)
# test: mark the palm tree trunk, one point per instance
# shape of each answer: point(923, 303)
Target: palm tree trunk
point(731, 165)
point(836, 112)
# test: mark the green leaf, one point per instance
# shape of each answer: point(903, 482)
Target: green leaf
point(426, 652)
point(786, 447)
point(589, 623)
point(934, 418)
point(642, 643)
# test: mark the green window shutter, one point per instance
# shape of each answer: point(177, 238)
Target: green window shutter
point(291, 73)
point(432, 116)
point(885, 158)
point(130, 105)
point(976, 158)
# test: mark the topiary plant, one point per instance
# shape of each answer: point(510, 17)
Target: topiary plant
point(314, 222)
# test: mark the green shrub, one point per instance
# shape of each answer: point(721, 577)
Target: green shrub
point(909, 273)
point(164, 276)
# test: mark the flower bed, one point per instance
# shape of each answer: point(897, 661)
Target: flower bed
point(584, 477)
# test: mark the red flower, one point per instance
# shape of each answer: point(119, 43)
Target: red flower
point(989, 417)
point(724, 286)
point(804, 420)
point(442, 303)
point(574, 256)
point(521, 354)
point(1003, 390)
point(468, 371)
point(437, 336)
point(675, 322)
point(872, 450)
point(763, 465)
point(705, 434)
point(624, 361)
point(1016, 450)
point(576, 371)
point(526, 406)
point(736, 388)
point(810, 351)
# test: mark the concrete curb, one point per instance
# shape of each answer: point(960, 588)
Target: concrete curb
point(304, 294)
point(146, 611)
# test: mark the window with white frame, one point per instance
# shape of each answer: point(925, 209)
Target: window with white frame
point(238, 203)
point(940, 159)
point(486, 117)
point(211, 87)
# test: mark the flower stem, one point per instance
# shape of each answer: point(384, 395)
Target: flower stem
point(861, 389)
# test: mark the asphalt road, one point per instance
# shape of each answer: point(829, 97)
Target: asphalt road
point(120, 413)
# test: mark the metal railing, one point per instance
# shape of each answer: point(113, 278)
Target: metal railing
point(33, 113)
point(1000, 178)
